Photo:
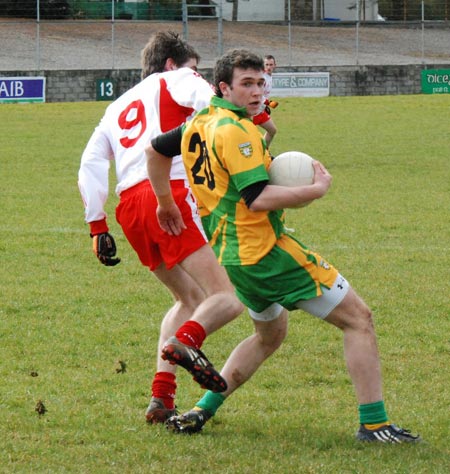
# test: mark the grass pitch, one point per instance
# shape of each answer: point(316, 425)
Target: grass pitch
point(66, 321)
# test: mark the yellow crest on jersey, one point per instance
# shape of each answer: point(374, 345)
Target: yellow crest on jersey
point(246, 149)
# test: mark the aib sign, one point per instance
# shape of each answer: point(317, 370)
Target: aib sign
point(22, 89)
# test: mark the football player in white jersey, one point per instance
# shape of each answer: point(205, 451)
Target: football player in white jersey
point(263, 119)
point(170, 92)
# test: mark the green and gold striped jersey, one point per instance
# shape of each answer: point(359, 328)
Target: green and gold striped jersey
point(223, 152)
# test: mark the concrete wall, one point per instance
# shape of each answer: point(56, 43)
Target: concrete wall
point(74, 86)
point(370, 80)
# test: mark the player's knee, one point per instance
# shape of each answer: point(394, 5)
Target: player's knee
point(237, 306)
point(272, 343)
point(365, 318)
point(352, 314)
point(361, 320)
point(278, 337)
point(272, 340)
point(191, 297)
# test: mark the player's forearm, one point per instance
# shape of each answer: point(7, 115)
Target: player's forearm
point(279, 197)
point(93, 186)
point(158, 168)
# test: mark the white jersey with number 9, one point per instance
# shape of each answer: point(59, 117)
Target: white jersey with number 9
point(159, 103)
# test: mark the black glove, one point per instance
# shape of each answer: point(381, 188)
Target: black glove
point(104, 247)
point(267, 109)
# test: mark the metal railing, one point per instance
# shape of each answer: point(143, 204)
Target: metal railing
point(187, 14)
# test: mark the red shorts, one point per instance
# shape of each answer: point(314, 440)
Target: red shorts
point(136, 213)
point(260, 118)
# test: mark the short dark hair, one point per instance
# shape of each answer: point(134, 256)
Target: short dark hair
point(162, 46)
point(269, 56)
point(235, 59)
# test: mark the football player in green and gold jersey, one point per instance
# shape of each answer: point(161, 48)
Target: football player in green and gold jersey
point(226, 161)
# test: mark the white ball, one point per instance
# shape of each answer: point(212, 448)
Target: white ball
point(292, 168)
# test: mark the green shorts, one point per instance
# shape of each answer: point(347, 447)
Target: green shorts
point(289, 273)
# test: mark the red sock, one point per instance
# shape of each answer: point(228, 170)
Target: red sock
point(164, 387)
point(191, 333)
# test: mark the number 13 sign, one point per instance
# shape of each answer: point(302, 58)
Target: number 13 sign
point(105, 89)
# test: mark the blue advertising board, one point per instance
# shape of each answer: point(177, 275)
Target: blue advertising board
point(22, 89)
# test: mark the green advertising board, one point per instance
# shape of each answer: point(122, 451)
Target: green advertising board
point(436, 81)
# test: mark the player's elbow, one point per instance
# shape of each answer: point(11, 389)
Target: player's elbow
point(260, 204)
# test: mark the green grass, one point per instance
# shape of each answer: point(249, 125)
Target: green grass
point(68, 319)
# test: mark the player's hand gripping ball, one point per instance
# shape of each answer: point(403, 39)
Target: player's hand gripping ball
point(292, 168)
point(104, 247)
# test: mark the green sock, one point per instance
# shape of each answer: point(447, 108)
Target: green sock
point(372, 413)
point(211, 402)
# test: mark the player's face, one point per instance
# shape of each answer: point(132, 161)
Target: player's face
point(269, 66)
point(246, 90)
